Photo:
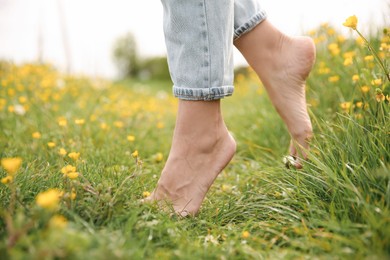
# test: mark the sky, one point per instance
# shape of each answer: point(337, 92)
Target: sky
point(30, 29)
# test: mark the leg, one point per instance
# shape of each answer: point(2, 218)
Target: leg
point(282, 63)
point(198, 36)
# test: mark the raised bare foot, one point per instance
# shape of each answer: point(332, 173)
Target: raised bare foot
point(283, 64)
point(201, 148)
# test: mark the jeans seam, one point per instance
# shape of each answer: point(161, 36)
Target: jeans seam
point(208, 58)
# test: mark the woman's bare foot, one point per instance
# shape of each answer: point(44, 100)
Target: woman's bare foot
point(283, 64)
point(201, 148)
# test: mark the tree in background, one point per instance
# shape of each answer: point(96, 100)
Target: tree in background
point(126, 55)
point(131, 65)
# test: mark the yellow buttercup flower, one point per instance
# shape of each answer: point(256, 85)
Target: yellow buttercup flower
point(355, 78)
point(51, 144)
point(369, 58)
point(135, 154)
point(58, 221)
point(365, 89)
point(334, 78)
point(79, 121)
point(351, 22)
point(67, 169)
point(62, 152)
point(245, 234)
point(145, 194)
point(72, 175)
point(376, 82)
point(73, 155)
point(131, 138)
point(7, 180)
point(348, 61)
point(36, 135)
point(48, 199)
point(345, 105)
point(158, 157)
point(11, 165)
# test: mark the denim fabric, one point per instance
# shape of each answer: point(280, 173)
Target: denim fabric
point(199, 39)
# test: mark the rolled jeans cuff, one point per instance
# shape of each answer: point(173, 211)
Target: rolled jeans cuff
point(205, 94)
point(250, 24)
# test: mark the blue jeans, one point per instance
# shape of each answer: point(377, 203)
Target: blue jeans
point(199, 38)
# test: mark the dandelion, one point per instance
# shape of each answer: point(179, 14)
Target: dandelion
point(6, 180)
point(131, 138)
point(48, 199)
point(351, 22)
point(145, 194)
point(245, 234)
point(51, 144)
point(11, 165)
point(62, 152)
point(73, 155)
point(36, 135)
point(58, 222)
point(135, 154)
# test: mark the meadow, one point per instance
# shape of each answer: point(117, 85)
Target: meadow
point(78, 155)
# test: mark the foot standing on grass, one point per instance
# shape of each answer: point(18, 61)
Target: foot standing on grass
point(199, 36)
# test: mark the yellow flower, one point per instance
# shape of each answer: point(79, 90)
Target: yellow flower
point(376, 82)
point(348, 62)
point(160, 125)
point(36, 135)
point(51, 144)
point(11, 165)
point(73, 194)
point(73, 155)
point(103, 126)
point(334, 49)
point(351, 22)
point(158, 157)
point(131, 138)
point(62, 121)
point(119, 124)
point(365, 89)
point(62, 152)
point(7, 179)
point(135, 154)
point(380, 97)
point(48, 199)
point(345, 105)
point(58, 221)
point(146, 194)
point(359, 104)
point(355, 78)
point(79, 121)
point(72, 175)
point(245, 234)
point(334, 78)
point(67, 169)
point(369, 58)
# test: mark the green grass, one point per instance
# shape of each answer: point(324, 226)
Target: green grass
point(337, 207)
